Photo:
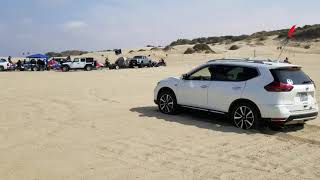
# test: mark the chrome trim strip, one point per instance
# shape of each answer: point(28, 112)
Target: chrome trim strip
point(303, 119)
point(203, 109)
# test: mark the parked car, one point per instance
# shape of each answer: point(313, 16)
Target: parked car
point(4, 65)
point(253, 93)
point(140, 61)
point(120, 63)
point(84, 63)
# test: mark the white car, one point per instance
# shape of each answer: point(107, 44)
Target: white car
point(4, 64)
point(251, 92)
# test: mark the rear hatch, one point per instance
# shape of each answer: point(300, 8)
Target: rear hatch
point(302, 97)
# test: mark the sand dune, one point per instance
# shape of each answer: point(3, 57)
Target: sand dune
point(104, 125)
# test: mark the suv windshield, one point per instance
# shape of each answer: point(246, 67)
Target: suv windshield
point(291, 75)
point(138, 57)
point(3, 60)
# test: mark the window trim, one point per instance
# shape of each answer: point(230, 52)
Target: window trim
point(213, 65)
point(195, 71)
point(258, 72)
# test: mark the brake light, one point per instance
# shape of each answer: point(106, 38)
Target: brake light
point(278, 87)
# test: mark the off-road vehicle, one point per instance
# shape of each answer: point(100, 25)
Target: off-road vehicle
point(86, 64)
point(140, 61)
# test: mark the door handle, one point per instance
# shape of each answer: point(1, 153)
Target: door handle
point(204, 86)
point(236, 88)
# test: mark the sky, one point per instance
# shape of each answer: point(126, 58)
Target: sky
point(39, 26)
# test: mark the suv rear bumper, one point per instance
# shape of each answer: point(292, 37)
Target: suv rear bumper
point(284, 111)
point(281, 114)
point(297, 119)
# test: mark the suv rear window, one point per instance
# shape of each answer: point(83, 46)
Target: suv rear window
point(291, 75)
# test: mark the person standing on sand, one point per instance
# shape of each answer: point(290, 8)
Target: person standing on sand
point(19, 64)
point(9, 59)
point(287, 60)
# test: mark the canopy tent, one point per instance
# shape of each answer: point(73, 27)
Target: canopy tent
point(37, 56)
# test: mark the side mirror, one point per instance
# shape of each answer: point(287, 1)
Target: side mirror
point(184, 76)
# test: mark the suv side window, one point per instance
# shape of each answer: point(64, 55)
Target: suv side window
point(83, 60)
point(76, 60)
point(233, 73)
point(204, 74)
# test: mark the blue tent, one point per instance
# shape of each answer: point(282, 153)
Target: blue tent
point(38, 56)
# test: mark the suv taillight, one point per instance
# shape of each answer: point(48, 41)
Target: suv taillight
point(278, 87)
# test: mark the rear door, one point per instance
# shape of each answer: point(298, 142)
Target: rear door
point(302, 97)
point(82, 64)
point(227, 86)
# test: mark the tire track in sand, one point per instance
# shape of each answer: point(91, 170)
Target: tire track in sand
point(288, 137)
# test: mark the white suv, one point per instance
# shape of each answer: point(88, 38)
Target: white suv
point(4, 64)
point(79, 63)
point(251, 92)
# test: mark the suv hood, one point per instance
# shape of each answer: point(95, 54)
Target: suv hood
point(170, 79)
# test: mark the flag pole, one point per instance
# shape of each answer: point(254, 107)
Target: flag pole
point(286, 42)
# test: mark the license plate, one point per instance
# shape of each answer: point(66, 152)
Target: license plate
point(303, 97)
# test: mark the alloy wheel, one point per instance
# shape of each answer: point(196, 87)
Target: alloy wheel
point(244, 117)
point(166, 103)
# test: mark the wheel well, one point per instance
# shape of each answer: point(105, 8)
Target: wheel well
point(238, 101)
point(165, 89)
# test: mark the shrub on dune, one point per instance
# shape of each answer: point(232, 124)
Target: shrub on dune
point(202, 47)
point(307, 46)
point(234, 47)
point(168, 48)
point(189, 51)
point(155, 49)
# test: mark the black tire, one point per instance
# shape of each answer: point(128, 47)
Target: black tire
point(65, 68)
point(246, 116)
point(35, 68)
point(167, 103)
point(1, 68)
point(117, 67)
point(88, 68)
point(300, 125)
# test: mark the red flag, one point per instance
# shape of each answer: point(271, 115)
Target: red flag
point(291, 31)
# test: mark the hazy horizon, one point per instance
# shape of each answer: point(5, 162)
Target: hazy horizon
point(57, 25)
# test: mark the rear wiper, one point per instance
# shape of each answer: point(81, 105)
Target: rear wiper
point(307, 82)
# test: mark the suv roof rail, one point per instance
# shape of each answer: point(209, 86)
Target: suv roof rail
point(247, 60)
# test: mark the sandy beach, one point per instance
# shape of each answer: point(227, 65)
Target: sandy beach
point(104, 125)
